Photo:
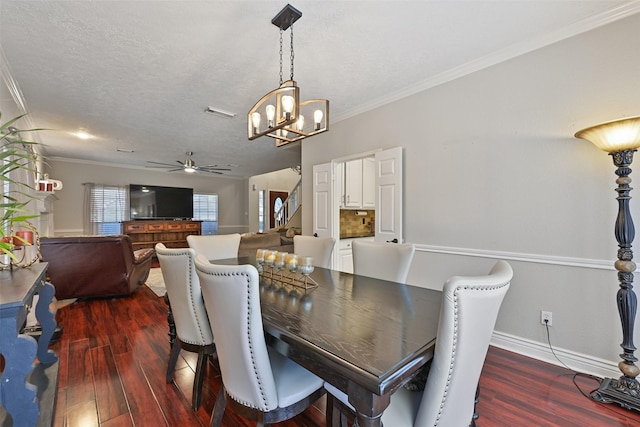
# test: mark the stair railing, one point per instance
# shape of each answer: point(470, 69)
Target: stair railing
point(289, 206)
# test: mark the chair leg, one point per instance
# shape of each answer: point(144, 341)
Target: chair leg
point(173, 359)
point(329, 411)
point(218, 409)
point(334, 417)
point(475, 403)
point(201, 368)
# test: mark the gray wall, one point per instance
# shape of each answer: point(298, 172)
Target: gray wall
point(492, 170)
point(232, 192)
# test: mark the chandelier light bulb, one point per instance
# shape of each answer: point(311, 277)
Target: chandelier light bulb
point(287, 105)
point(255, 119)
point(300, 122)
point(271, 114)
point(317, 118)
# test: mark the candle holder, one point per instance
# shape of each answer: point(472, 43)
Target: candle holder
point(289, 269)
point(25, 248)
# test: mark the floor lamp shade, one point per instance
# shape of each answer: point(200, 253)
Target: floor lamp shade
point(617, 135)
point(621, 138)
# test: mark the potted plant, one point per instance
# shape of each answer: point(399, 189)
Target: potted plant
point(15, 154)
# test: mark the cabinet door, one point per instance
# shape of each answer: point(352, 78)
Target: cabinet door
point(369, 183)
point(346, 260)
point(353, 183)
point(339, 177)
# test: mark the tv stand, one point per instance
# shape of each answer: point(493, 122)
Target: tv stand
point(173, 233)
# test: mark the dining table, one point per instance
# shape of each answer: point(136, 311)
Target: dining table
point(365, 336)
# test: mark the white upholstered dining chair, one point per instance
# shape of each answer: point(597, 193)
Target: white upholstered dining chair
point(193, 332)
point(385, 261)
point(468, 315)
point(260, 382)
point(219, 246)
point(320, 248)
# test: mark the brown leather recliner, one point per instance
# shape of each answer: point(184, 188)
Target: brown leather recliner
point(94, 266)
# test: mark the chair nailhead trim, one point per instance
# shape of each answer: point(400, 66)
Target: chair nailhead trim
point(443, 401)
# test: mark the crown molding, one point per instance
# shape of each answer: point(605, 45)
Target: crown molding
point(512, 51)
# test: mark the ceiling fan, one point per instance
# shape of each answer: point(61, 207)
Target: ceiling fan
point(189, 166)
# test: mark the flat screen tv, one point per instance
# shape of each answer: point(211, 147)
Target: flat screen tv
point(157, 202)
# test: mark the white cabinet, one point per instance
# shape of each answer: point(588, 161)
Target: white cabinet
point(345, 253)
point(369, 183)
point(339, 178)
point(353, 184)
point(359, 184)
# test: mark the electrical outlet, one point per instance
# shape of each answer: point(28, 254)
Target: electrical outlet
point(546, 318)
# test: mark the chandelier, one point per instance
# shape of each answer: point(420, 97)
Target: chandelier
point(280, 114)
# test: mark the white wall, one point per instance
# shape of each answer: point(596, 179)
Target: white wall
point(492, 170)
point(282, 180)
point(232, 192)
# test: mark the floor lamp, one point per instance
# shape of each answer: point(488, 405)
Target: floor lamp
point(621, 138)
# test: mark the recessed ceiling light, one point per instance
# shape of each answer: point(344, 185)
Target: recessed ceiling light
point(83, 134)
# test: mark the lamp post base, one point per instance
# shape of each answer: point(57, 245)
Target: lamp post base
point(620, 392)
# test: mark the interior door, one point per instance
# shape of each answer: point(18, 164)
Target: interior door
point(389, 195)
point(322, 205)
point(276, 200)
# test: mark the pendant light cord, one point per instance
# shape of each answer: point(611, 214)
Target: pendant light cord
point(291, 59)
point(281, 31)
point(291, 51)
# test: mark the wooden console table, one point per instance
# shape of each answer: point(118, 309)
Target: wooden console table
point(27, 389)
point(145, 234)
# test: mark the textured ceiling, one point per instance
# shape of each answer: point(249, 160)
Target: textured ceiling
point(139, 74)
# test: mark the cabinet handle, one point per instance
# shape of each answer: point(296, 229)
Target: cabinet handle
point(392, 241)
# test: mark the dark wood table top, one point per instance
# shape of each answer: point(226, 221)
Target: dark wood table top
point(356, 332)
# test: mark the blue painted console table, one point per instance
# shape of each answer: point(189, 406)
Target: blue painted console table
point(27, 388)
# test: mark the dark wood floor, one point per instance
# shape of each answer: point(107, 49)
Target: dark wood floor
point(113, 357)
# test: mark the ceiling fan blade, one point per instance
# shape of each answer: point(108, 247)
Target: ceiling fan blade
point(211, 168)
point(208, 171)
point(170, 165)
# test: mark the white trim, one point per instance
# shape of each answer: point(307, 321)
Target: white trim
point(502, 55)
point(522, 257)
point(577, 361)
point(233, 226)
point(68, 232)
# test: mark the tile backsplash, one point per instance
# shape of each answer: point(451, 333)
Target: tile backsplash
point(352, 225)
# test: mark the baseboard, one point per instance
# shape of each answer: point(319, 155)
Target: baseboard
point(578, 362)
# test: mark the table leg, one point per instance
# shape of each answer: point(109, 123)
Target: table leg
point(369, 406)
point(47, 322)
point(18, 397)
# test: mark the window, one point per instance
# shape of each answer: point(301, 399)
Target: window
point(205, 209)
point(109, 205)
